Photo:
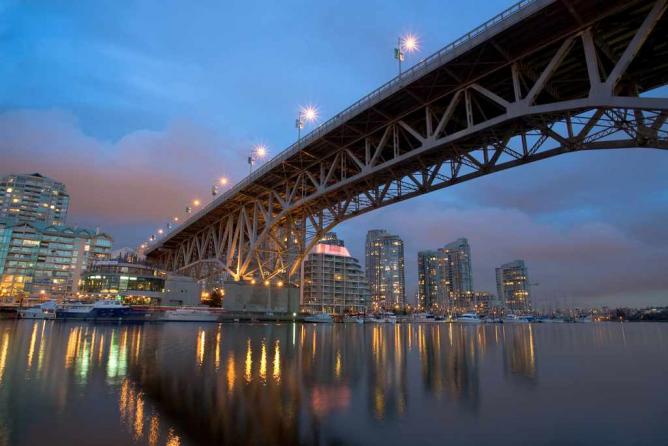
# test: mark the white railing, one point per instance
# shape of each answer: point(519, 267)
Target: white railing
point(462, 44)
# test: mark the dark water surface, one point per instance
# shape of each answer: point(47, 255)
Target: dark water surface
point(189, 384)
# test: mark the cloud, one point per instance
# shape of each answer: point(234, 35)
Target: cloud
point(146, 176)
point(586, 233)
point(585, 261)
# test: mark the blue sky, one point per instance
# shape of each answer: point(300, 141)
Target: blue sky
point(139, 106)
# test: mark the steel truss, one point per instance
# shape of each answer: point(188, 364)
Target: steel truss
point(474, 130)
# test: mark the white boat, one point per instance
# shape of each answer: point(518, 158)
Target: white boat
point(548, 320)
point(353, 319)
point(469, 318)
point(427, 318)
point(515, 319)
point(384, 318)
point(322, 318)
point(191, 314)
point(47, 310)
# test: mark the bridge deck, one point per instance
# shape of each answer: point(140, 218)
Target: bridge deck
point(530, 30)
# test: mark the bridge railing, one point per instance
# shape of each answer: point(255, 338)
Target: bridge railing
point(448, 52)
point(417, 70)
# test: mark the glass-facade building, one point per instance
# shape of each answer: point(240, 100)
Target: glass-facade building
point(113, 277)
point(445, 282)
point(384, 262)
point(39, 260)
point(433, 284)
point(137, 284)
point(512, 284)
point(33, 198)
point(333, 279)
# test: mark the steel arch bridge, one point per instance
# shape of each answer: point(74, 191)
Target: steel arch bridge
point(543, 78)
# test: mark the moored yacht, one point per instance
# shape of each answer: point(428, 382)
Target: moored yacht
point(352, 319)
point(321, 317)
point(517, 319)
point(469, 318)
point(102, 309)
point(46, 310)
point(550, 320)
point(191, 314)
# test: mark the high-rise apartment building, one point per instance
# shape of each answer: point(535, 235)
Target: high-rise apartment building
point(45, 261)
point(385, 269)
point(333, 279)
point(33, 198)
point(433, 285)
point(444, 278)
point(457, 273)
point(512, 284)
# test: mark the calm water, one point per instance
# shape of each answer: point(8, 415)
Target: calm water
point(190, 384)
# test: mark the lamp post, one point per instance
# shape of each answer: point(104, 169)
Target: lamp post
point(267, 284)
point(215, 188)
point(258, 152)
point(306, 114)
point(406, 44)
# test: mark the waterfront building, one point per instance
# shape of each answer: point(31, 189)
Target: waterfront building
point(39, 260)
point(512, 283)
point(457, 274)
point(482, 302)
point(385, 269)
point(433, 285)
point(33, 198)
point(138, 284)
point(333, 279)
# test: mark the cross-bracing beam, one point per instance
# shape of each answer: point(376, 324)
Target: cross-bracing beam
point(474, 130)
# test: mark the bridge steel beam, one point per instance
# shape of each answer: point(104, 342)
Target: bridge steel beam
point(583, 90)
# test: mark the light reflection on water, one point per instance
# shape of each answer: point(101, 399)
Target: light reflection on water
point(186, 384)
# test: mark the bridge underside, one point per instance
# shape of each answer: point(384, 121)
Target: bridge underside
point(578, 82)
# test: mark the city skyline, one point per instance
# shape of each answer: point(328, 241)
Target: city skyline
point(133, 156)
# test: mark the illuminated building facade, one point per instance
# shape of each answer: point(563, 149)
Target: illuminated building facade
point(333, 280)
point(433, 285)
point(512, 284)
point(385, 269)
point(445, 282)
point(33, 198)
point(456, 270)
point(138, 284)
point(46, 261)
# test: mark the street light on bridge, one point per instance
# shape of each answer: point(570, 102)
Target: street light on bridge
point(258, 152)
point(306, 114)
point(215, 188)
point(406, 44)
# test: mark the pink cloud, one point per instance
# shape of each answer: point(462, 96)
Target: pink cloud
point(146, 175)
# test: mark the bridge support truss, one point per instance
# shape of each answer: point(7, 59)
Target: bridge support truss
point(578, 94)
